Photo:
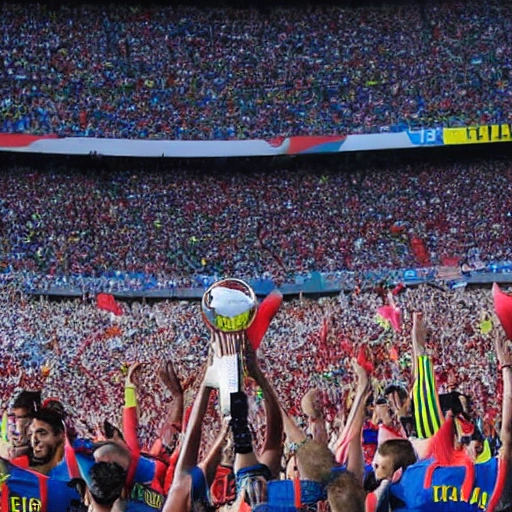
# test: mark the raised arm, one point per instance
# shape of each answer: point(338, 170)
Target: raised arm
point(273, 443)
point(294, 434)
point(351, 451)
point(213, 457)
point(174, 421)
point(504, 476)
point(428, 415)
point(130, 415)
point(131, 420)
point(504, 356)
point(313, 460)
point(192, 441)
point(180, 493)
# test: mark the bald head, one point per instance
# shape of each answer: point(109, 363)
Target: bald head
point(113, 453)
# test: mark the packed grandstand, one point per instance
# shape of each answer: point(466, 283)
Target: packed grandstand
point(275, 223)
point(381, 381)
point(190, 73)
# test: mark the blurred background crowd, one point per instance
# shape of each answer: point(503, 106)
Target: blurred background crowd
point(273, 223)
point(190, 73)
point(79, 353)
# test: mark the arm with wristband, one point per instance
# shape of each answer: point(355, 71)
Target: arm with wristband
point(131, 422)
point(272, 446)
point(213, 457)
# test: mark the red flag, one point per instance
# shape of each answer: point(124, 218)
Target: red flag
point(108, 303)
point(503, 308)
point(266, 312)
point(392, 314)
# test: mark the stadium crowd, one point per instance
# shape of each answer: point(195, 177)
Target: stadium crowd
point(270, 224)
point(73, 342)
point(188, 73)
point(80, 355)
point(105, 412)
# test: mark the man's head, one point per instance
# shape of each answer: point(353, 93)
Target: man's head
point(315, 461)
point(47, 435)
point(396, 395)
point(476, 447)
point(106, 481)
point(113, 452)
point(392, 455)
point(23, 409)
point(27, 402)
point(346, 493)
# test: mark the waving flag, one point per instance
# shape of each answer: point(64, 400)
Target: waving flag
point(392, 315)
point(108, 303)
point(266, 312)
point(503, 308)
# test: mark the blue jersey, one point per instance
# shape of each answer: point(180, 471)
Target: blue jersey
point(444, 495)
point(28, 491)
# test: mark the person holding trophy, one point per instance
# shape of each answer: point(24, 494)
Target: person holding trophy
point(237, 326)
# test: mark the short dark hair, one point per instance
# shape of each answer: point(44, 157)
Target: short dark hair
point(56, 405)
point(52, 417)
point(115, 449)
point(30, 400)
point(401, 450)
point(106, 482)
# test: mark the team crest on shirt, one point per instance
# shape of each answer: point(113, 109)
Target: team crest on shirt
point(24, 504)
point(148, 496)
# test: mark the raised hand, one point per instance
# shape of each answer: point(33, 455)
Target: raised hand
point(169, 378)
point(363, 377)
point(132, 373)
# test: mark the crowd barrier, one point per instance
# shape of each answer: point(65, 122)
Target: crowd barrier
point(301, 145)
point(202, 149)
point(138, 285)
